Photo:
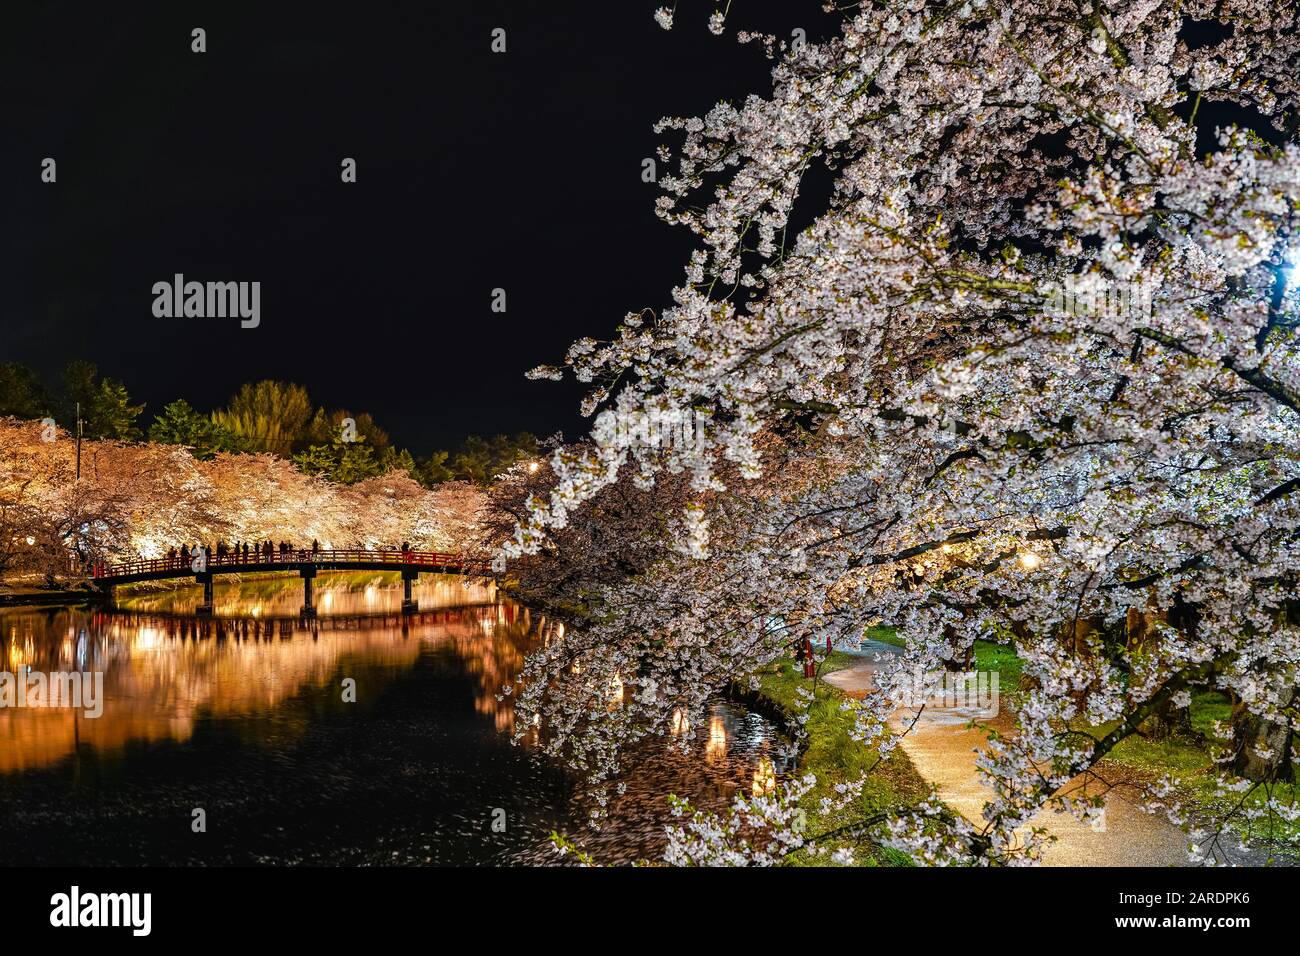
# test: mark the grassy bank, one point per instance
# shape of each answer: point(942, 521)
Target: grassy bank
point(835, 757)
point(28, 594)
point(1188, 760)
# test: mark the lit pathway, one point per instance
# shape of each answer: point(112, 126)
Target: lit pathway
point(942, 746)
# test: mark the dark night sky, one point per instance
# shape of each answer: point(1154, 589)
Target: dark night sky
point(476, 171)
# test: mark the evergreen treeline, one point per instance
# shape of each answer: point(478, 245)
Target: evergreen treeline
point(267, 416)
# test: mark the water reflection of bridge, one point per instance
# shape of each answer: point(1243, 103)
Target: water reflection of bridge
point(179, 624)
point(164, 673)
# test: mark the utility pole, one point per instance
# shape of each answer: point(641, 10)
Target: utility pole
point(78, 441)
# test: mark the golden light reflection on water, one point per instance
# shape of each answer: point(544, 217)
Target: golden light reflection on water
point(679, 724)
point(717, 744)
point(163, 673)
point(168, 675)
point(271, 678)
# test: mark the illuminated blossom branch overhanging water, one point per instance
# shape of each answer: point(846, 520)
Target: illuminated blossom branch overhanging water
point(909, 423)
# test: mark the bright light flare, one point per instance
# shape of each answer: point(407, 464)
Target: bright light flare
point(1291, 269)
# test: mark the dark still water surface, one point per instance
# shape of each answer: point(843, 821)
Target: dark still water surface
point(243, 716)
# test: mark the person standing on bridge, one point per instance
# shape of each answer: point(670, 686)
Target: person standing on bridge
point(315, 546)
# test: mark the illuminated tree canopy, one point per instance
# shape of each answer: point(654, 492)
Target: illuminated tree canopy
point(1030, 369)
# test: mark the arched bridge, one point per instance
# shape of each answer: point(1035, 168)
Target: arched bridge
point(306, 563)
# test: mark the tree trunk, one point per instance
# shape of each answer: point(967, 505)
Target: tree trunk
point(1167, 721)
point(1252, 733)
point(966, 663)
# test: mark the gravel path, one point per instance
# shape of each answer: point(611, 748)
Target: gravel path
point(943, 746)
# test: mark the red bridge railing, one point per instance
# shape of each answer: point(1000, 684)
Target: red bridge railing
point(237, 559)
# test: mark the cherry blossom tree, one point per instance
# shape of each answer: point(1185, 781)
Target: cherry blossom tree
point(19, 516)
point(140, 499)
point(1030, 372)
point(618, 534)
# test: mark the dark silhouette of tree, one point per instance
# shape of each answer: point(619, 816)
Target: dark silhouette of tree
point(481, 461)
point(21, 393)
point(327, 427)
point(434, 470)
point(106, 408)
point(179, 424)
point(473, 462)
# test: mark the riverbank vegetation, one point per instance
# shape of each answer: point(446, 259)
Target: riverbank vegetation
point(269, 465)
point(832, 753)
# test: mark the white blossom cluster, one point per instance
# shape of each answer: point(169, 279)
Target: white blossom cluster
point(907, 427)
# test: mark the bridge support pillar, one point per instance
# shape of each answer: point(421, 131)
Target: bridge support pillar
point(409, 604)
point(206, 581)
point(308, 605)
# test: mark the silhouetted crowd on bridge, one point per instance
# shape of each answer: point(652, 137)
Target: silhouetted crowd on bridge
point(262, 553)
point(245, 552)
point(241, 552)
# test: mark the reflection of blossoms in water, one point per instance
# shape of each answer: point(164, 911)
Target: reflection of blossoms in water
point(493, 650)
point(270, 679)
point(736, 754)
point(164, 669)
